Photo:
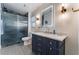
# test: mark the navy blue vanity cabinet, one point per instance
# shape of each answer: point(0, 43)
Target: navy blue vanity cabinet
point(46, 46)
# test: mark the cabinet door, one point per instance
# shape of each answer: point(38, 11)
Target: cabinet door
point(58, 51)
point(36, 44)
point(53, 51)
point(56, 47)
point(56, 44)
point(45, 45)
point(33, 43)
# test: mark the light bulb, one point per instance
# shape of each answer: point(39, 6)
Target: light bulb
point(38, 16)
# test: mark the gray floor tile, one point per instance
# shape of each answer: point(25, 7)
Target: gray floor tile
point(16, 50)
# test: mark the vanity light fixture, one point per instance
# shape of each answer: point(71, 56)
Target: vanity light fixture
point(75, 10)
point(37, 17)
point(63, 9)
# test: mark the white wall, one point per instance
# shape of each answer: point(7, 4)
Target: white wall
point(68, 23)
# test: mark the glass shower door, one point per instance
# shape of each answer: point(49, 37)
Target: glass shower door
point(23, 26)
point(9, 36)
point(14, 28)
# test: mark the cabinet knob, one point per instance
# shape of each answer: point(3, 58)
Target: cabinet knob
point(50, 42)
point(50, 48)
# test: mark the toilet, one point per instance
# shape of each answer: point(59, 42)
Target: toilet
point(26, 40)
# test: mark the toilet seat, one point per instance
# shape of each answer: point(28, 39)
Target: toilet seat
point(27, 40)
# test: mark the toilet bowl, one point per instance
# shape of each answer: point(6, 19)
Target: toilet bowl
point(27, 40)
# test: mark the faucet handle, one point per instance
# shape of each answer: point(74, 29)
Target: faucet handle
point(54, 31)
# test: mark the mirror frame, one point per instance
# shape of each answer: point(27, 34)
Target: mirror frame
point(52, 16)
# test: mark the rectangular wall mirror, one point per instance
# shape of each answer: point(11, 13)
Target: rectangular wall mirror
point(47, 17)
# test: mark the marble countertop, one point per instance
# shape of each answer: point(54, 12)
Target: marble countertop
point(51, 36)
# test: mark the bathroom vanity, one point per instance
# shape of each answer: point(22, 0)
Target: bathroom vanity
point(48, 44)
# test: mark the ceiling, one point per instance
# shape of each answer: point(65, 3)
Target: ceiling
point(22, 8)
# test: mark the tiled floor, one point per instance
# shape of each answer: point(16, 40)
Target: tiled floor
point(16, 50)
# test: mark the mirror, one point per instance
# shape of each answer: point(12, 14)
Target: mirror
point(47, 17)
point(33, 22)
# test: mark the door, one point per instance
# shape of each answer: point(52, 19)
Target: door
point(14, 28)
point(9, 28)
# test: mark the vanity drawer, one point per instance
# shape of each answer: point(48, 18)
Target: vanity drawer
point(37, 49)
point(53, 51)
point(55, 44)
point(45, 46)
